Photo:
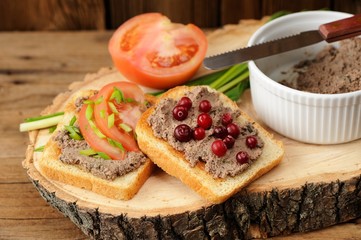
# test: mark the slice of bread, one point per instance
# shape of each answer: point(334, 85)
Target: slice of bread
point(215, 190)
point(122, 188)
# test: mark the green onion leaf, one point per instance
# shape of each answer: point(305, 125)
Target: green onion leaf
point(41, 123)
point(116, 144)
point(117, 95)
point(125, 127)
point(99, 100)
point(73, 132)
point(39, 149)
point(88, 102)
point(89, 112)
point(102, 113)
point(231, 73)
point(72, 121)
point(96, 130)
point(111, 120)
point(87, 152)
point(32, 119)
point(104, 155)
point(113, 108)
point(52, 128)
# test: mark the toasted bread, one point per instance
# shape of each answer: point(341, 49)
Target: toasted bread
point(215, 190)
point(123, 187)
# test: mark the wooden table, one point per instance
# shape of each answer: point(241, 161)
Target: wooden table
point(34, 67)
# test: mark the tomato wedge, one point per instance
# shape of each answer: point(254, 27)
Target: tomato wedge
point(151, 50)
point(133, 99)
point(99, 144)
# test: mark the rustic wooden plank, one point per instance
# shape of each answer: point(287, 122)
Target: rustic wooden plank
point(271, 6)
point(12, 171)
point(351, 6)
point(52, 15)
point(118, 11)
point(40, 229)
point(206, 14)
point(233, 10)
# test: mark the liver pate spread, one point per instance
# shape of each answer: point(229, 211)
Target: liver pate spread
point(195, 151)
point(334, 70)
point(106, 169)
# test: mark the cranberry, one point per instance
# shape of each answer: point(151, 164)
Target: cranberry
point(183, 133)
point(242, 157)
point(204, 120)
point(205, 106)
point(251, 142)
point(185, 102)
point(219, 148)
point(233, 130)
point(220, 132)
point(199, 133)
point(180, 113)
point(226, 119)
point(229, 141)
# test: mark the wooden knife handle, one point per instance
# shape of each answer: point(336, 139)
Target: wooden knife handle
point(341, 29)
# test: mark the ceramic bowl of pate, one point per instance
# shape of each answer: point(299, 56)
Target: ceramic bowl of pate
point(317, 118)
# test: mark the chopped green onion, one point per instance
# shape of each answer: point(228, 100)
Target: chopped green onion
point(39, 149)
point(104, 156)
point(72, 121)
point(89, 112)
point(88, 102)
point(41, 123)
point(102, 113)
point(99, 100)
point(88, 152)
point(117, 95)
point(96, 130)
point(113, 108)
point(73, 132)
point(52, 128)
point(116, 144)
point(111, 120)
point(125, 127)
point(129, 100)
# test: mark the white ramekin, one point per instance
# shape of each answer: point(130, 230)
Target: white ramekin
point(303, 116)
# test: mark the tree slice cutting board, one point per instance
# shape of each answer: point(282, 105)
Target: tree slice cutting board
point(315, 186)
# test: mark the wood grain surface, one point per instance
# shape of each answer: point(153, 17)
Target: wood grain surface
point(34, 67)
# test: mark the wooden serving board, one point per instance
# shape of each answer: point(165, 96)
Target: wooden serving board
point(314, 187)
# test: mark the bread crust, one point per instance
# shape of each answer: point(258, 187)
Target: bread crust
point(215, 190)
point(122, 188)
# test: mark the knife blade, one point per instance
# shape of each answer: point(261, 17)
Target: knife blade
point(330, 32)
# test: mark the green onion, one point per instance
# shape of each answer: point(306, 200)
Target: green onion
point(87, 152)
point(125, 127)
point(104, 156)
point(111, 120)
point(52, 128)
point(234, 82)
point(113, 108)
point(41, 123)
point(39, 149)
point(89, 112)
point(129, 100)
point(102, 113)
point(96, 130)
point(99, 100)
point(117, 95)
point(72, 121)
point(32, 119)
point(116, 144)
point(230, 74)
point(73, 132)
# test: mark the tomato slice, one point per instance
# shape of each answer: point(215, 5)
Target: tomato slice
point(127, 113)
point(151, 50)
point(98, 143)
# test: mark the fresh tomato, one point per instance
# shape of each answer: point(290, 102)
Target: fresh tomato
point(151, 50)
point(128, 112)
point(99, 144)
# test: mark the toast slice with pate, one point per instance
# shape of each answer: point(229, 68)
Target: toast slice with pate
point(62, 161)
point(208, 160)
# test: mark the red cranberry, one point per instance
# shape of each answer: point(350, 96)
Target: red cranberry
point(204, 120)
point(199, 133)
point(219, 148)
point(186, 102)
point(180, 113)
point(220, 132)
point(205, 106)
point(183, 133)
point(233, 130)
point(226, 119)
point(251, 142)
point(242, 157)
point(229, 141)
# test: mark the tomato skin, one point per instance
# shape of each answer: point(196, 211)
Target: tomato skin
point(95, 142)
point(150, 50)
point(130, 90)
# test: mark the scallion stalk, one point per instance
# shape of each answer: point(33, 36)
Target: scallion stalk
point(41, 123)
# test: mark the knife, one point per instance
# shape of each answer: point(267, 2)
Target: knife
point(329, 32)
